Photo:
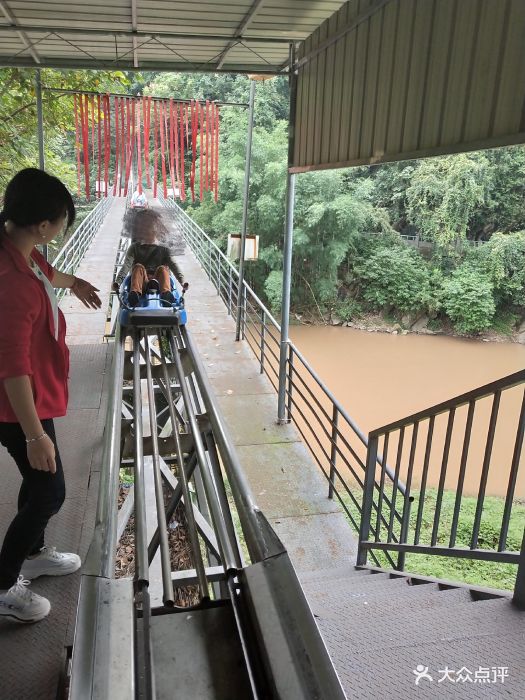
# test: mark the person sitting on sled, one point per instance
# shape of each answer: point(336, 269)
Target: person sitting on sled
point(148, 257)
point(139, 200)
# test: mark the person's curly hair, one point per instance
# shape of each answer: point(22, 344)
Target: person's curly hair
point(146, 226)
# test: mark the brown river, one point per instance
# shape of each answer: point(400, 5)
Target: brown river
point(379, 378)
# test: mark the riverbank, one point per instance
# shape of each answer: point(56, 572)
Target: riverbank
point(417, 324)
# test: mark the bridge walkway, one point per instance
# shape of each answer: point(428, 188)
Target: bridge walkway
point(284, 480)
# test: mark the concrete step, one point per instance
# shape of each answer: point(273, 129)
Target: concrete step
point(336, 572)
point(425, 621)
point(376, 648)
point(385, 601)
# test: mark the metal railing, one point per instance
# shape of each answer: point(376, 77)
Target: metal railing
point(336, 443)
point(70, 256)
point(451, 444)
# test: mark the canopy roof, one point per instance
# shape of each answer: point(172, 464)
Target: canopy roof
point(228, 35)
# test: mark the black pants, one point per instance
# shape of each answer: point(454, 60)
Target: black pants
point(41, 496)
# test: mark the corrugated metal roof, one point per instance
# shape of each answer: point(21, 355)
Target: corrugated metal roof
point(231, 35)
point(385, 80)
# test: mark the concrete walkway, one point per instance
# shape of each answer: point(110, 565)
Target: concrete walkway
point(285, 481)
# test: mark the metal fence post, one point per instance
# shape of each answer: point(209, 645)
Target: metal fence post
point(519, 588)
point(290, 384)
point(333, 452)
point(403, 536)
point(263, 339)
point(368, 496)
point(229, 291)
point(243, 312)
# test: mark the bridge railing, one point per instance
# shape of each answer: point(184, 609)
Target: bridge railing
point(336, 443)
point(69, 257)
point(452, 446)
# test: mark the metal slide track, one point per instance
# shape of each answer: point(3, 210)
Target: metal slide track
point(250, 633)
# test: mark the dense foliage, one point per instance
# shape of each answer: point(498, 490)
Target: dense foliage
point(349, 257)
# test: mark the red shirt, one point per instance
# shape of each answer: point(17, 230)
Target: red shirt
point(27, 338)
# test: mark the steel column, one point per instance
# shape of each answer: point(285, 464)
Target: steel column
point(245, 204)
point(519, 589)
point(40, 131)
point(288, 244)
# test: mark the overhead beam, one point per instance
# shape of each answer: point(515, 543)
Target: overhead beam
point(107, 64)
point(256, 6)
point(343, 31)
point(123, 33)
point(14, 26)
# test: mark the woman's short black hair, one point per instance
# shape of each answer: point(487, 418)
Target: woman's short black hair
point(33, 196)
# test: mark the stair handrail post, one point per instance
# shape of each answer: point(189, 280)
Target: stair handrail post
point(333, 451)
point(519, 587)
point(368, 497)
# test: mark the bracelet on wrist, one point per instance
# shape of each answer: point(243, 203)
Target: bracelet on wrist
point(36, 439)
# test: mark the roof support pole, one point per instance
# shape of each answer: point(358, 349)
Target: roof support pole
point(40, 130)
point(246, 201)
point(282, 417)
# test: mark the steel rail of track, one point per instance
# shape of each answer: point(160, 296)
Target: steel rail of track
point(199, 443)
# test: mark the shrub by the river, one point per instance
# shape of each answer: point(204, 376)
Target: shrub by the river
point(468, 300)
point(395, 277)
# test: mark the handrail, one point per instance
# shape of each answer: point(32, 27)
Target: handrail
point(456, 402)
point(462, 537)
point(70, 255)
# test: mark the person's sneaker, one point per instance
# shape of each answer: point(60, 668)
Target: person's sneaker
point(167, 297)
point(133, 299)
point(21, 604)
point(49, 562)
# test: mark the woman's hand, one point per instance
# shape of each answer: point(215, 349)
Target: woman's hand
point(87, 293)
point(41, 455)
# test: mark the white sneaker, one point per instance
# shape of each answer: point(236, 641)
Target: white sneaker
point(21, 604)
point(49, 562)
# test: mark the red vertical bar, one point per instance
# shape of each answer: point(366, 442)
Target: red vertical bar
point(193, 150)
point(212, 146)
point(155, 148)
point(77, 140)
point(138, 127)
point(162, 157)
point(181, 135)
point(122, 146)
point(84, 117)
point(217, 113)
point(99, 148)
point(176, 142)
point(107, 141)
point(187, 129)
point(146, 110)
point(171, 146)
point(92, 106)
point(201, 154)
point(207, 145)
point(128, 147)
point(116, 104)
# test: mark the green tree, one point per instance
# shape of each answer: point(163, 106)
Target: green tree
point(443, 196)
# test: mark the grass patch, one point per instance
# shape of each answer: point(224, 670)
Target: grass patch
point(473, 571)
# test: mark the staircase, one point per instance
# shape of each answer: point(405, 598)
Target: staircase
point(379, 626)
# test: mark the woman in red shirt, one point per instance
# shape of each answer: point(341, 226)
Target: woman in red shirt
point(34, 367)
